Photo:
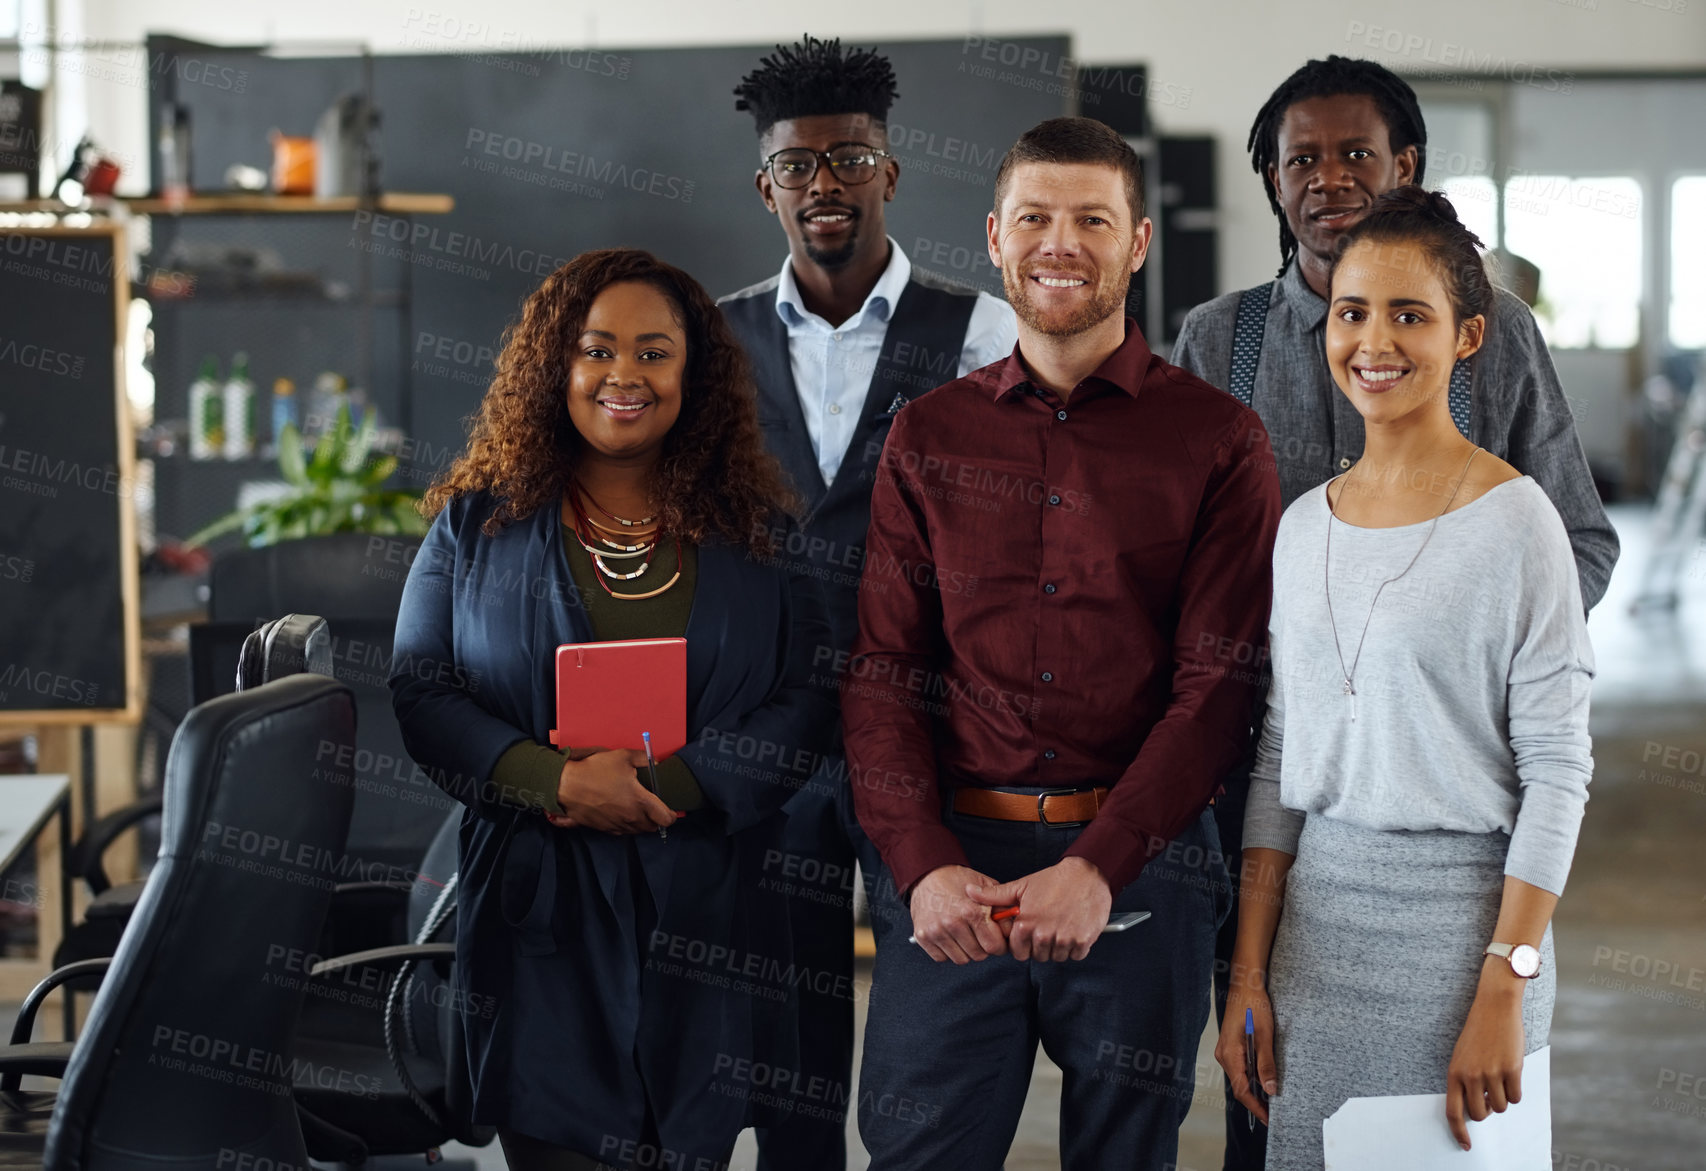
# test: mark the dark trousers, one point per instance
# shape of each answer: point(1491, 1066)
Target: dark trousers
point(949, 1049)
point(1246, 1148)
point(525, 1153)
point(820, 843)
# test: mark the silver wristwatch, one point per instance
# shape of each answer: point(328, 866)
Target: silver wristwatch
point(1523, 959)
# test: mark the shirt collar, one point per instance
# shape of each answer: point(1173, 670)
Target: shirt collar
point(1310, 308)
point(1124, 369)
point(884, 295)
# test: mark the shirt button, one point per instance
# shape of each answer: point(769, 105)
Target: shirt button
point(835, 408)
point(1048, 754)
point(1344, 462)
point(1054, 500)
point(1049, 588)
point(1061, 415)
point(1048, 676)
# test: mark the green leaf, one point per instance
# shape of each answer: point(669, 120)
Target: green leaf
point(328, 450)
point(358, 443)
point(291, 460)
point(224, 524)
point(379, 470)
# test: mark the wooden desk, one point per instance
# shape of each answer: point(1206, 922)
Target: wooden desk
point(27, 803)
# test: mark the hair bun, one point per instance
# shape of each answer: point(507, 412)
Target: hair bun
point(1412, 213)
point(1413, 199)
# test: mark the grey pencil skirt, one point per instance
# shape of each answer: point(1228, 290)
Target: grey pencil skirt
point(1374, 967)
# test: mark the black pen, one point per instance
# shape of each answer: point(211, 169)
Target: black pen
point(652, 769)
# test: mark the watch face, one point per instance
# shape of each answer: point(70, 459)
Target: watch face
point(1525, 961)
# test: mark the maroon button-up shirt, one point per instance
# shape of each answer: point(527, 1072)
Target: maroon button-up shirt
point(1063, 594)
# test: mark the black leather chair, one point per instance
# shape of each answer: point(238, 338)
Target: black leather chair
point(355, 582)
point(394, 1015)
point(188, 1055)
point(224, 656)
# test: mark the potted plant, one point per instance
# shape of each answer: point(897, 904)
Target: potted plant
point(336, 489)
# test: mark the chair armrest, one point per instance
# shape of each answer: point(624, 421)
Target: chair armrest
point(85, 860)
point(26, 1022)
point(380, 955)
point(41, 1058)
point(327, 1143)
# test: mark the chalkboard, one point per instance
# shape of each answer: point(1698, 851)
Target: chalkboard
point(69, 640)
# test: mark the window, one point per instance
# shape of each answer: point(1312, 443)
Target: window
point(1460, 161)
point(1472, 196)
point(1687, 251)
point(1585, 236)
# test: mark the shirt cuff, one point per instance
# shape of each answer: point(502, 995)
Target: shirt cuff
point(923, 849)
point(528, 774)
point(1117, 853)
point(678, 787)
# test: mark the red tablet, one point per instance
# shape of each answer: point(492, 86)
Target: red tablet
point(610, 692)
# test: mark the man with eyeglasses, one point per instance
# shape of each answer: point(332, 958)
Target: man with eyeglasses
point(840, 339)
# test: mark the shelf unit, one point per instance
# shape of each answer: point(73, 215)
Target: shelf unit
point(286, 331)
point(244, 202)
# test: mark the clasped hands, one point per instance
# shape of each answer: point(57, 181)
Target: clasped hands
point(600, 789)
point(1062, 910)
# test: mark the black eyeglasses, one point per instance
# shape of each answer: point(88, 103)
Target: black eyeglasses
point(851, 164)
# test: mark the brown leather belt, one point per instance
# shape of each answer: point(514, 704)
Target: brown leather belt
point(1055, 807)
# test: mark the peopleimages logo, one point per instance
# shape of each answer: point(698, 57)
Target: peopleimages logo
point(546, 157)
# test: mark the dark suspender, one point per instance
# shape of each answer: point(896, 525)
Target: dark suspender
point(1252, 324)
point(1458, 395)
point(1247, 340)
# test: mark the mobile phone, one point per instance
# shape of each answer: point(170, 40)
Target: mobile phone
point(1120, 920)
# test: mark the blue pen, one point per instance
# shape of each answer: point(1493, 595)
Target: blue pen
point(1250, 1064)
point(652, 769)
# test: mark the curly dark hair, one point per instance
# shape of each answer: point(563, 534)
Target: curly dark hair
point(714, 478)
point(816, 77)
point(1337, 75)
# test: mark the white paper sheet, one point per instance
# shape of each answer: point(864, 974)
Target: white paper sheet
point(1409, 1132)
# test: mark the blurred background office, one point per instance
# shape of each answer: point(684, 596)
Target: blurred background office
point(279, 216)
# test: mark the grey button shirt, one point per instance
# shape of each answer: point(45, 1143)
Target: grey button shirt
point(1517, 407)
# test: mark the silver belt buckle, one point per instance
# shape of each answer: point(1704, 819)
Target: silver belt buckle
point(1042, 812)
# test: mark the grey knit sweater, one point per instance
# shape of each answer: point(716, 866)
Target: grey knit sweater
point(1471, 704)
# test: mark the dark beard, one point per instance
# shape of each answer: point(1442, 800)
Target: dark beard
point(1104, 303)
point(836, 257)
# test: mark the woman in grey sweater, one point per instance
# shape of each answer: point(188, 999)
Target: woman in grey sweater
point(1424, 763)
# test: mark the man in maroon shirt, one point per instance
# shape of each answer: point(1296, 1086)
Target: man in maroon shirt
point(1062, 621)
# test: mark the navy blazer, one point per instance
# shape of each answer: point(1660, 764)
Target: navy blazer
point(568, 1008)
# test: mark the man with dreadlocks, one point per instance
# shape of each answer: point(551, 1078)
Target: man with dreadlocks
point(840, 339)
point(1335, 135)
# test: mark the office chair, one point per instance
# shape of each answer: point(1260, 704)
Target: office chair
point(394, 1014)
point(224, 656)
point(189, 1052)
point(354, 581)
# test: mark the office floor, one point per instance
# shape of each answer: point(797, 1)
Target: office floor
point(1629, 1033)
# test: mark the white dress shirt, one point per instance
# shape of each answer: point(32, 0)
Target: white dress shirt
point(833, 365)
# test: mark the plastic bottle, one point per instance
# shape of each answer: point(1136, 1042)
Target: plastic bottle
point(207, 413)
point(329, 393)
point(239, 410)
point(283, 408)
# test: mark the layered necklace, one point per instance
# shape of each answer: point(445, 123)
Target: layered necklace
point(1350, 673)
point(607, 537)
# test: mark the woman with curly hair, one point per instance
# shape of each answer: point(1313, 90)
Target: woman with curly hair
point(614, 486)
